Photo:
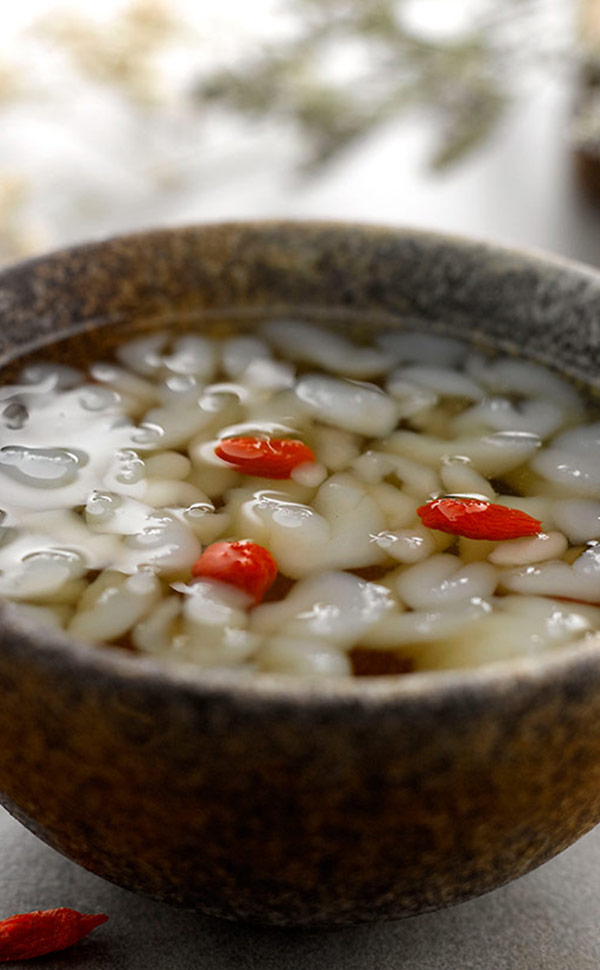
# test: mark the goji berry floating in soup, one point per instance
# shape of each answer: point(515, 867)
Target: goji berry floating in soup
point(301, 501)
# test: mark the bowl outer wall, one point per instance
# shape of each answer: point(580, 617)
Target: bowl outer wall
point(278, 801)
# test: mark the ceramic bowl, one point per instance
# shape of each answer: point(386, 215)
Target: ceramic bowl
point(279, 801)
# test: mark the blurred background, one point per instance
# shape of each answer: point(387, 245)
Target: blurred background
point(471, 116)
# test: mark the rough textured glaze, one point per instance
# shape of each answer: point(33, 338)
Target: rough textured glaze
point(275, 800)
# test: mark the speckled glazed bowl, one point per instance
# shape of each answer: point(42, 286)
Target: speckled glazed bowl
point(276, 801)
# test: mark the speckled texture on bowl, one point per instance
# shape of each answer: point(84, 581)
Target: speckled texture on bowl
point(277, 801)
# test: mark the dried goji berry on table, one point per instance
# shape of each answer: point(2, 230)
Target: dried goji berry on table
point(43, 931)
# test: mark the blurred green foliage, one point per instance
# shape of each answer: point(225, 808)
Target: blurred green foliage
point(462, 81)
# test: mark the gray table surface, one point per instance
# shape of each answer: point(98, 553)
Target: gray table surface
point(547, 920)
point(516, 190)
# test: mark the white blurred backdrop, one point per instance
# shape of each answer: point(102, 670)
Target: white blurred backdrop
point(99, 133)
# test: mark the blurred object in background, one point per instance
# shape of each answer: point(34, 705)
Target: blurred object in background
point(349, 66)
point(138, 112)
point(92, 117)
point(586, 121)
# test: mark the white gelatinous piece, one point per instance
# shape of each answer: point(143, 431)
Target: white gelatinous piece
point(282, 407)
point(211, 396)
point(210, 474)
point(26, 395)
point(492, 455)
point(353, 516)
point(293, 532)
point(542, 418)
point(373, 466)
point(267, 376)
point(302, 658)
point(501, 452)
point(334, 533)
point(473, 550)
point(209, 603)
point(126, 474)
point(441, 582)
point(459, 477)
point(508, 632)
point(61, 528)
point(293, 491)
point(62, 447)
point(309, 344)
point(238, 352)
point(350, 405)
point(213, 629)
point(411, 398)
point(180, 423)
point(558, 617)
point(177, 389)
point(526, 378)
point(193, 354)
point(530, 549)
point(397, 629)
point(14, 415)
point(415, 478)
point(143, 355)
point(123, 382)
point(214, 647)
point(399, 508)
point(146, 436)
point(207, 524)
point(334, 448)
point(260, 429)
point(223, 402)
point(165, 544)
point(332, 606)
point(155, 633)
point(41, 467)
point(55, 617)
point(579, 518)
point(114, 603)
point(309, 473)
point(442, 381)
point(588, 563)
point(168, 464)
point(579, 581)
point(60, 376)
point(172, 493)
point(114, 513)
point(573, 460)
point(94, 398)
point(407, 545)
point(42, 575)
point(412, 346)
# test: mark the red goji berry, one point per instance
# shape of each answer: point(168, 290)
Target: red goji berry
point(29, 935)
point(267, 457)
point(477, 519)
point(246, 565)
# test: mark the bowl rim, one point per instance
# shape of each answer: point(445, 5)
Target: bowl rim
point(573, 662)
point(537, 256)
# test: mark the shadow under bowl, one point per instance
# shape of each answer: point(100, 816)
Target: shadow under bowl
point(275, 800)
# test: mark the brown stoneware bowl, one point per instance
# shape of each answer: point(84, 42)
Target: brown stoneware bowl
point(275, 800)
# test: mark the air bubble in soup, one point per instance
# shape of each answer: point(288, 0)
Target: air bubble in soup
point(302, 500)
